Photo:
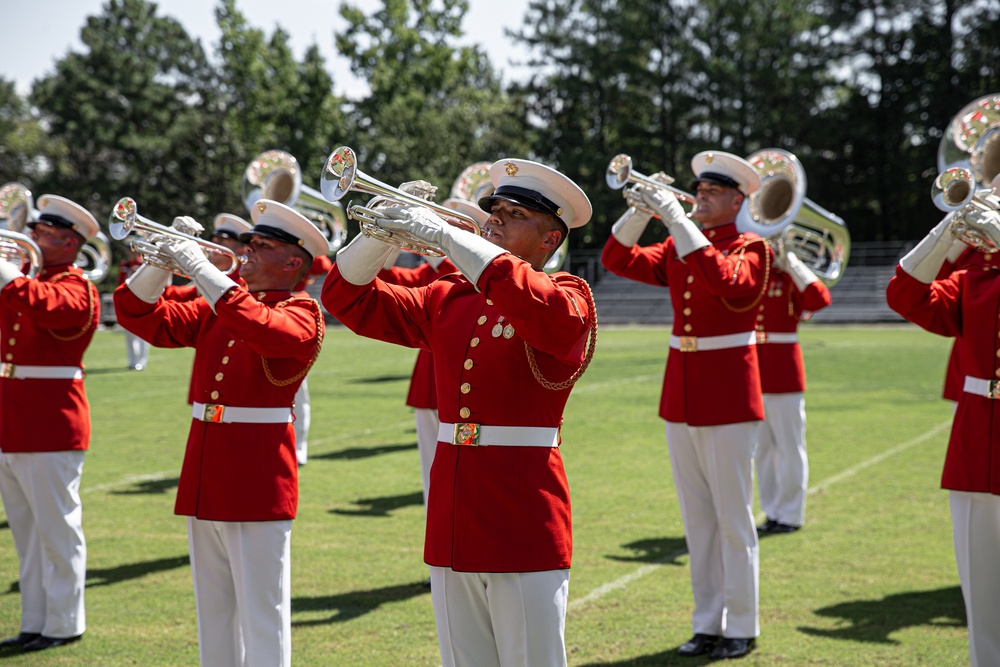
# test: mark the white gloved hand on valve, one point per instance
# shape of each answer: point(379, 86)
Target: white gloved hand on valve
point(687, 237)
point(8, 271)
point(470, 253)
point(210, 281)
point(800, 274)
point(927, 257)
point(148, 282)
point(185, 224)
point(361, 259)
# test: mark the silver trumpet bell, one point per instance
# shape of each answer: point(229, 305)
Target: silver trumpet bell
point(341, 175)
point(276, 175)
point(16, 204)
point(779, 210)
point(125, 220)
point(957, 191)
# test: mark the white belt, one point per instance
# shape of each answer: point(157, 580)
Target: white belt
point(476, 435)
point(18, 372)
point(987, 388)
point(769, 337)
point(227, 414)
point(702, 343)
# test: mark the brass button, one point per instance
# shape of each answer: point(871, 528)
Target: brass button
point(489, 302)
point(474, 342)
point(261, 295)
point(998, 373)
point(10, 356)
point(988, 256)
point(11, 341)
point(687, 294)
point(998, 353)
point(464, 413)
point(17, 327)
point(482, 319)
point(760, 317)
point(215, 395)
point(231, 343)
point(687, 311)
point(688, 327)
point(219, 376)
point(225, 360)
point(690, 279)
point(466, 387)
point(468, 364)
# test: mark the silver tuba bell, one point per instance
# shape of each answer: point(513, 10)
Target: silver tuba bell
point(276, 175)
point(780, 211)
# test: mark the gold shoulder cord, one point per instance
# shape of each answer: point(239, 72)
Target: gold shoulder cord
point(91, 319)
point(763, 284)
point(320, 332)
point(592, 343)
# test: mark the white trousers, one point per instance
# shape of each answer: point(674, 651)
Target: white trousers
point(713, 473)
point(975, 519)
point(137, 350)
point(500, 619)
point(41, 495)
point(782, 464)
point(242, 590)
point(427, 440)
point(302, 411)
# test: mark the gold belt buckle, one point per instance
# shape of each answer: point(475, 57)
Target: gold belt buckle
point(993, 389)
point(213, 413)
point(689, 343)
point(7, 370)
point(761, 337)
point(466, 434)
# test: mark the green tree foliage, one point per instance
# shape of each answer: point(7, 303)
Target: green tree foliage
point(26, 149)
point(434, 107)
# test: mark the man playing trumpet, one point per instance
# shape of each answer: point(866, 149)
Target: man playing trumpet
point(717, 277)
point(508, 343)
point(239, 480)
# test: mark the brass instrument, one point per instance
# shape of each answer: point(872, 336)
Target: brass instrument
point(955, 190)
point(276, 175)
point(620, 173)
point(125, 219)
point(94, 258)
point(779, 210)
point(16, 204)
point(21, 250)
point(341, 175)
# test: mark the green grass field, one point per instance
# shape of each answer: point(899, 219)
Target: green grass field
point(870, 580)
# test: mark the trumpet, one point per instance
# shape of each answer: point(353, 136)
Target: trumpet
point(955, 190)
point(620, 173)
point(341, 175)
point(125, 219)
point(276, 175)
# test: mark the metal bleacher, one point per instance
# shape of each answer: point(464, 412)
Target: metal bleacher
point(858, 297)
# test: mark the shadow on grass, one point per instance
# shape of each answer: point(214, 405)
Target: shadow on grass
point(654, 550)
point(4, 525)
point(347, 606)
point(115, 575)
point(875, 620)
point(356, 453)
point(149, 486)
point(379, 378)
point(382, 505)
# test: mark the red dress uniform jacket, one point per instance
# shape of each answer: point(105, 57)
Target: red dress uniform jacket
point(239, 471)
point(782, 369)
point(966, 305)
point(954, 378)
point(714, 291)
point(423, 391)
point(46, 321)
point(495, 508)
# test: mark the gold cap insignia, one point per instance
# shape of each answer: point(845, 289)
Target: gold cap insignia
point(511, 169)
point(43, 201)
point(261, 206)
point(709, 158)
point(559, 211)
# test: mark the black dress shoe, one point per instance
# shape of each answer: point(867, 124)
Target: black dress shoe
point(20, 640)
point(767, 526)
point(42, 642)
point(697, 645)
point(783, 528)
point(732, 647)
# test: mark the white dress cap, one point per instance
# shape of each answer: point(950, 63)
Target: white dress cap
point(468, 208)
point(539, 188)
point(61, 212)
point(725, 169)
point(282, 223)
point(227, 224)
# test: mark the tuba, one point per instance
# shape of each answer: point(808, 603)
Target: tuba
point(341, 175)
point(16, 206)
point(276, 175)
point(125, 219)
point(780, 211)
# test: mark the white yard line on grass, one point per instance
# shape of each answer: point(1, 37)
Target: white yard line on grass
point(627, 579)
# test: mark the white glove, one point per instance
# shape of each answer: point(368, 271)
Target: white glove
point(958, 246)
point(390, 261)
point(434, 262)
point(421, 189)
point(927, 257)
point(630, 226)
point(148, 282)
point(985, 225)
point(470, 253)
point(210, 281)
point(8, 271)
point(361, 259)
point(187, 225)
point(801, 275)
point(687, 237)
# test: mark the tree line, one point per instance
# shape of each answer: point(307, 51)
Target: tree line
point(859, 90)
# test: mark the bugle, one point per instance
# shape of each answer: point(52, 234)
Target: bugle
point(620, 173)
point(276, 175)
point(956, 191)
point(341, 175)
point(125, 219)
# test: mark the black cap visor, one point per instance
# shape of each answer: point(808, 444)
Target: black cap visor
point(531, 199)
point(717, 179)
point(274, 233)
